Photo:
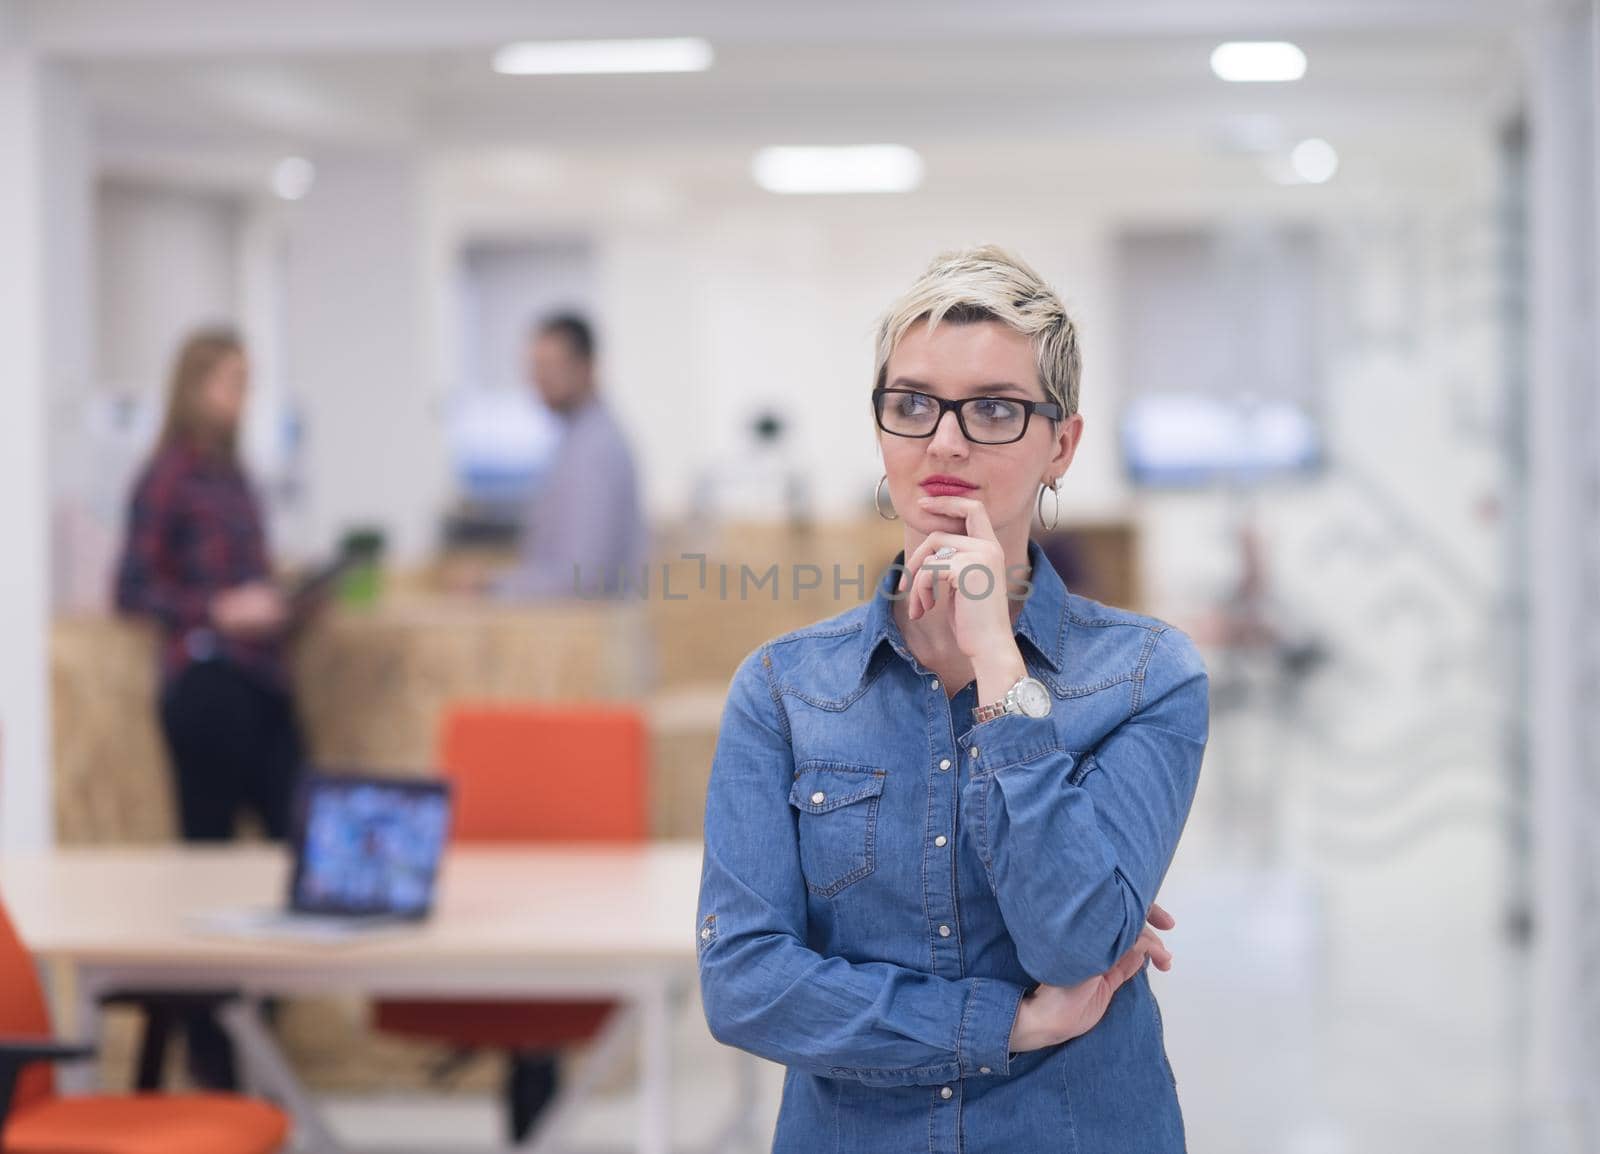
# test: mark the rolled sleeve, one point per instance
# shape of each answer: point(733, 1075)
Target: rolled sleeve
point(1076, 843)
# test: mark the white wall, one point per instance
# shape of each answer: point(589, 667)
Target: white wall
point(1562, 654)
point(168, 262)
point(358, 356)
point(504, 290)
point(30, 97)
point(155, 264)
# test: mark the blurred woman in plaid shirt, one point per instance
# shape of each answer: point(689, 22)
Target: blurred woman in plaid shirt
point(195, 562)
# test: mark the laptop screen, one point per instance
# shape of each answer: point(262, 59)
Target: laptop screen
point(368, 845)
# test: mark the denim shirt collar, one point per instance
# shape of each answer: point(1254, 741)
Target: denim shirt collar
point(1042, 622)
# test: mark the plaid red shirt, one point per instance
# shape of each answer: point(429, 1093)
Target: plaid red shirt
point(194, 529)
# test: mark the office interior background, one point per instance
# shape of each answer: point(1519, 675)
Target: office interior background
point(1342, 400)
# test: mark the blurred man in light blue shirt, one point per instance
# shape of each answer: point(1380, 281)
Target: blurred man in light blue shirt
point(584, 534)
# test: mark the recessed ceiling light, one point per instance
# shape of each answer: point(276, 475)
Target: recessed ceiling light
point(598, 57)
point(1258, 61)
point(851, 168)
point(1314, 161)
point(292, 177)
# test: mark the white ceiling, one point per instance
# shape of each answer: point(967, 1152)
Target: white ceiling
point(220, 86)
point(119, 28)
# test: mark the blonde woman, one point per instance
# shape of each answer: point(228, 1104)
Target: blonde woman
point(937, 823)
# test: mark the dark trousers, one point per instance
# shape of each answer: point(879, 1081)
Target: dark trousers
point(233, 743)
point(531, 1081)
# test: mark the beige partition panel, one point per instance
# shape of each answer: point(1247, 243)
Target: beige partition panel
point(371, 686)
point(111, 781)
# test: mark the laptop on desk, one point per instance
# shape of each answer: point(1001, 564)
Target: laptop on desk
point(366, 856)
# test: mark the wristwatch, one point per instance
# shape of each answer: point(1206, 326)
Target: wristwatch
point(1028, 696)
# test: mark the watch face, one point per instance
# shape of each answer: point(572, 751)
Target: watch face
point(1033, 697)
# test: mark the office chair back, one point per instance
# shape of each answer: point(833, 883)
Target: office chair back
point(547, 773)
point(22, 1012)
point(524, 774)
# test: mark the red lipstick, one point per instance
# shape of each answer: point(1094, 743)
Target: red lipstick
point(943, 485)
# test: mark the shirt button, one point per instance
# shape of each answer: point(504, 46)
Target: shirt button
point(974, 751)
point(934, 684)
point(984, 1070)
point(946, 1093)
point(818, 798)
point(940, 840)
point(705, 934)
point(944, 763)
point(944, 931)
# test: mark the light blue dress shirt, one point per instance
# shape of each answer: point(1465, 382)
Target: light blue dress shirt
point(584, 534)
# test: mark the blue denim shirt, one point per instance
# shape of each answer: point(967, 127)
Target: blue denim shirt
point(883, 880)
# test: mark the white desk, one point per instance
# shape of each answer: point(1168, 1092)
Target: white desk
point(527, 923)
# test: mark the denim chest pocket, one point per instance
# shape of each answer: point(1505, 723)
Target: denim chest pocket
point(837, 816)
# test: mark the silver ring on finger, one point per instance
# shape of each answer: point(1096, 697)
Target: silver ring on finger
point(945, 552)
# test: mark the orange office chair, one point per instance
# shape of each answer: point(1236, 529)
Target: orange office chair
point(523, 774)
point(35, 1120)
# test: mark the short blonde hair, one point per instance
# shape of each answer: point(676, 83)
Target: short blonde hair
point(988, 283)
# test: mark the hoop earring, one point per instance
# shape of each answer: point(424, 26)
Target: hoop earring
point(877, 501)
point(1055, 508)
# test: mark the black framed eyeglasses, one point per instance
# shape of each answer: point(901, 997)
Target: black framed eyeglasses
point(983, 420)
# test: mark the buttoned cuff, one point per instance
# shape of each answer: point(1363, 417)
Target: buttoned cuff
point(1010, 739)
point(984, 1046)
